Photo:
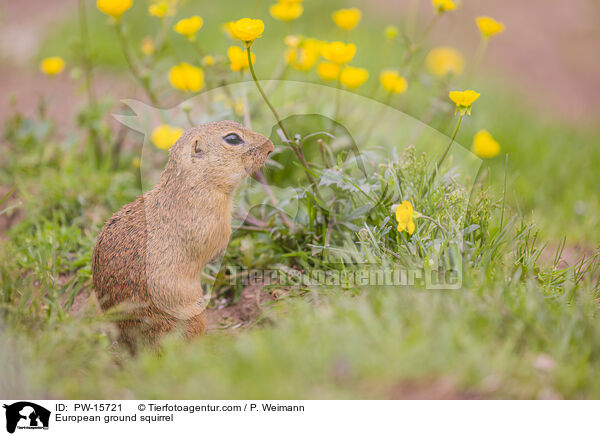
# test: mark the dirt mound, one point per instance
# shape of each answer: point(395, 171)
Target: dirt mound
point(245, 312)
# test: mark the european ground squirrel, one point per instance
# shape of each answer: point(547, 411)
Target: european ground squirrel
point(149, 256)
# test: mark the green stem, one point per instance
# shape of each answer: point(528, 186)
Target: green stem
point(88, 79)
point(197, 47)
point(445, 153)
point(478, 56)
point(429, 27)
point(413, 16)
point(264, 96)
point(338, 95)
point(188, 117)
point(144, 81)
point(437, 223)
point(413, 47)
point(296, 147)
point(504, 192)
point(386, 102)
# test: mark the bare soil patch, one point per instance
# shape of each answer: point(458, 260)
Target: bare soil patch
point(245, 312)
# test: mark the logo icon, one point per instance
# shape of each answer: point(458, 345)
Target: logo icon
point(26, 415)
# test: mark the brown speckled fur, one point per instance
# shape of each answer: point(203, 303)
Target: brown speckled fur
point(149, 256)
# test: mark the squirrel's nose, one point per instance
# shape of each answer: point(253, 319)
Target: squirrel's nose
point(269, 146)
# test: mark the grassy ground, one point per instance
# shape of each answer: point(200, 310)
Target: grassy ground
point(523, 325)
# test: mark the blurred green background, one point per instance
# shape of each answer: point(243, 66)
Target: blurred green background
point(525, 324)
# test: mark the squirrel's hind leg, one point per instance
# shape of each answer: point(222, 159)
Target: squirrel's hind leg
point(195, 326)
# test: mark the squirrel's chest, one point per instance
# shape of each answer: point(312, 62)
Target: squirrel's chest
point(208, 240)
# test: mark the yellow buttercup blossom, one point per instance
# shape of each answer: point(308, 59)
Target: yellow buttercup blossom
point(52, 66)
point(292, 40)
point(290, 1)
point(239, 58)
point(328, 71)
point(247, 30)
point(164, 136)
point(227, 29)
point(442, 61)
point(162, 8)
point(484, 145)
point(114, 8)
point(208, 60)
point(136, 162)
point(286, 11)
point(443, 5)
point(391, 32)
point(404, 216)
point(464, 100)
point(393, 82)
point(159, 10)
point(189, 26)
point(489, 27)
point(186, 77)
point(347, 19)
point(338, 52)
point(353, 77)
point(304, 56)
point(147, 46)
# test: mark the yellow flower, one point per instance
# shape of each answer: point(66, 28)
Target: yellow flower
point(443, 5)
point(247, 30)
point(292, 40)
point(464, 100)
point(352, 77)
point(391, 32)
point(52, 66)
point(189, 26)
point(338, 52)
point(445, 60)
point(162, 8)
point(304, 56)
point(208, 60)
point(147, 46)
point(164, 136)
point(114, 8)
point(347, 19)
point(186, 77)
point(404, 216)
point(489, 27)
point(226, 28)
point(328, 71)
point(286, 11)
point(159, 10)
point(291, 1)
point(393, 82)
point(484, 145)
point(239, 58)
point(136, 162)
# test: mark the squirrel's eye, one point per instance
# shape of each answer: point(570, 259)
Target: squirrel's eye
point(233, 139)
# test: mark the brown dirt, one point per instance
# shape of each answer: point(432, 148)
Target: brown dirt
point(245, 312)
point(570, 256)
point(22, 27)
point(438, 389)
point(220, 314)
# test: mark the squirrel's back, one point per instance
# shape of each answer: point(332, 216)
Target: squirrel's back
point(119, 260)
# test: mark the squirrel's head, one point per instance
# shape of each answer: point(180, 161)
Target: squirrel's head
point(221, 153)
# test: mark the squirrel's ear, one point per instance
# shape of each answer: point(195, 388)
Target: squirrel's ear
point(198, 148)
